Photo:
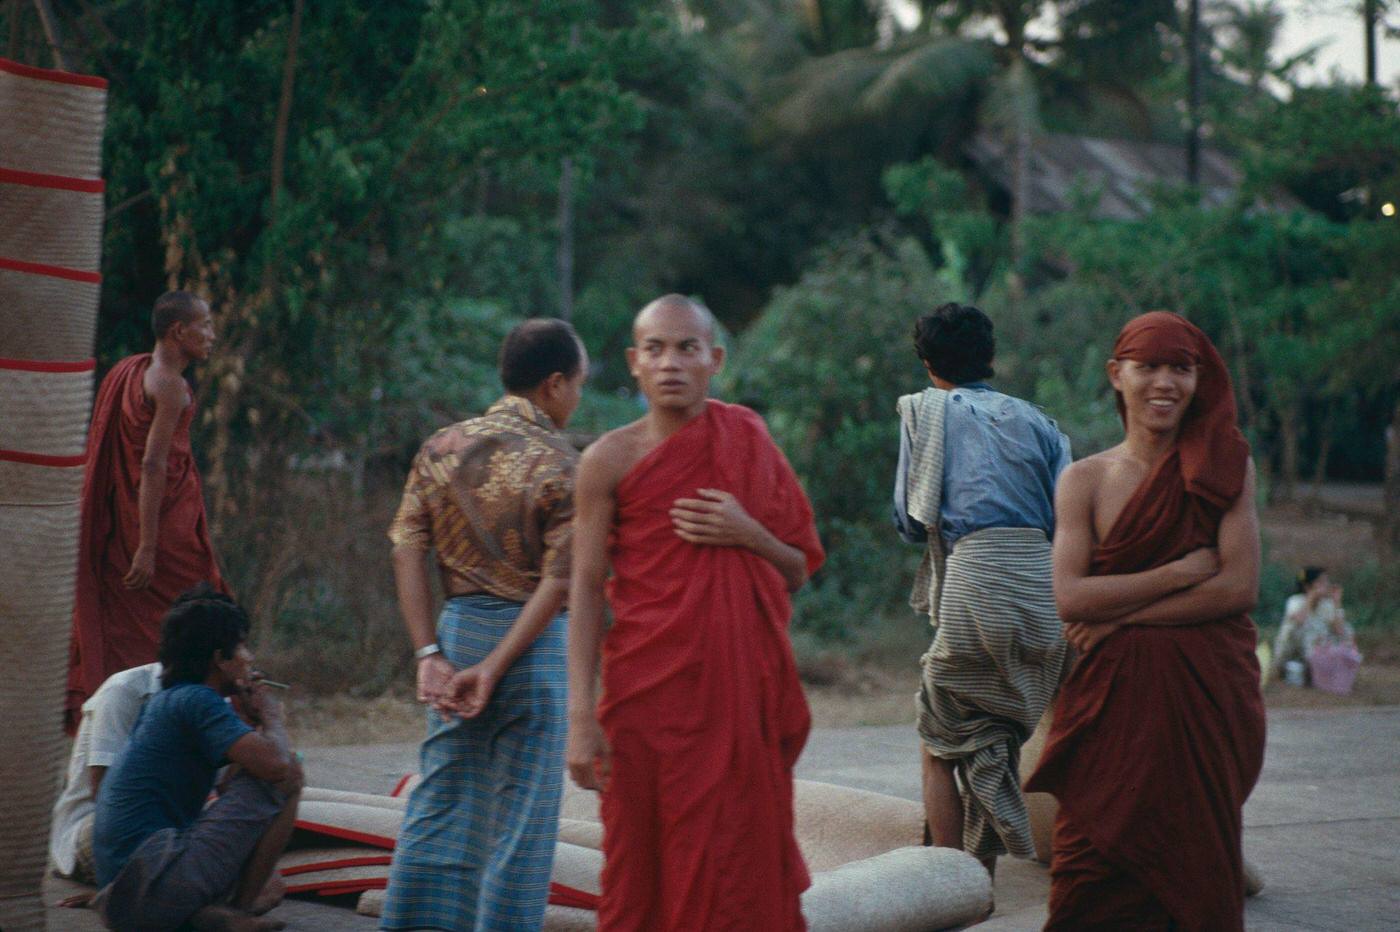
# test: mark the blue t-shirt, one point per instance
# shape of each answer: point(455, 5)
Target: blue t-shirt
point(1001, 460)
point(164, 774)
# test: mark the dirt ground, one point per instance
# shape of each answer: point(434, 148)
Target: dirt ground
point(865, 695)
point(877, 686)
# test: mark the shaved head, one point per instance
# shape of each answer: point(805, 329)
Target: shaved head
point(668, 306)
point(673, 354)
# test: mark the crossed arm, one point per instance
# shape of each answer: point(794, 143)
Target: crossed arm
point(1202, 586)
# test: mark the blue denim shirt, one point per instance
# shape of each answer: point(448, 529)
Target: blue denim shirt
point(1001, 458)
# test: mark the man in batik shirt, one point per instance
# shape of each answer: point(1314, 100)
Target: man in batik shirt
point(492, 499)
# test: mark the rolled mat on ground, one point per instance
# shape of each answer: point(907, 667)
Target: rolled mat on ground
point(50, 243)
point(342, 842)
point(870, 873)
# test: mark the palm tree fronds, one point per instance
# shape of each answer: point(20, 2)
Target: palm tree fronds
point(932, 70)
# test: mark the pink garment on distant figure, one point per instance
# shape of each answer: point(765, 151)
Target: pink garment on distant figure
point(1334, 667)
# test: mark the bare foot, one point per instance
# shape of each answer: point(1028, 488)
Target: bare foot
point(228, 919)
point(271, 895)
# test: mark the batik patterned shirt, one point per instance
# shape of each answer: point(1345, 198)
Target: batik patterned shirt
point(492, 497)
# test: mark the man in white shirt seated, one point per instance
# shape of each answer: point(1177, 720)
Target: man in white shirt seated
point(108, 718)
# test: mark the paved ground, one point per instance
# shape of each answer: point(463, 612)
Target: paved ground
point(1323, 825)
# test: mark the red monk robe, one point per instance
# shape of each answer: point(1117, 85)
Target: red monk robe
point(1158, 734)
point(115, 628)
point(701, 702)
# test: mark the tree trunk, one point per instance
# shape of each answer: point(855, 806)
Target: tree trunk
point(1288, 437)
point(1243, 384)
point(1193, 98)
point(1022, 141)
point(229, 368)
point(1390, 514)
point(1369, 14)
point(1324, 450)
point(564, 258)
point(52, 32)
point(16, 7)
point(284, 106)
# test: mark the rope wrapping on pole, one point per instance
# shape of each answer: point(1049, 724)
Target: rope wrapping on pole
point(51, 209)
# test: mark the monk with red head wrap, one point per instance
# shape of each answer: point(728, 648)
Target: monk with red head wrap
point(1159, 732)
point(702, 717)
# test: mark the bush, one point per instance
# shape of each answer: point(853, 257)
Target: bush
point(825, 363)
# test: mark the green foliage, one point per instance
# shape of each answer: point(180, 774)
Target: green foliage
point(825, 364)
point(1372, 597)
point(1336, 148)
point(800, 167)
point(970, 240)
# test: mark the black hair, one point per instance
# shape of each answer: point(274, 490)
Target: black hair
point(535, 350)
point(199, 624)
point(956, 343)
point(1307, 576)
point(172, 308)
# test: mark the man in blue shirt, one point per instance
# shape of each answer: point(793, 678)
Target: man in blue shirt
point(163, 858)
point(976, 483)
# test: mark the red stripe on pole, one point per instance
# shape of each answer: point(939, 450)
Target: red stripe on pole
point(53, 271)
point(57, 182)
point(43, 459)
point(50, 74)
point(34, 365)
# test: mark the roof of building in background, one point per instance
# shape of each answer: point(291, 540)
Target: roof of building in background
point(1117, 176)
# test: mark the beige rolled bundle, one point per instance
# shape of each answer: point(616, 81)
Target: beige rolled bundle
point(51, 203)
point(38, 217)
point(838, 824)
point(53, 121)
point(912, 889)
point(49, 313)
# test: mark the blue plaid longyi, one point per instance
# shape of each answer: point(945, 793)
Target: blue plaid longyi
point(477, 843)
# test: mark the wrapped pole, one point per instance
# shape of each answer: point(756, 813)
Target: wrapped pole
point(50, 250)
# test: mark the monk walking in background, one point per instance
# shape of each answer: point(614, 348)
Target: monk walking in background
point(144, 537)
point(976, 480)
point(702, 717)
point(1159, 732)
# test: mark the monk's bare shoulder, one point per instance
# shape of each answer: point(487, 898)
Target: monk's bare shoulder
point(1082, 476)
point(164, 386)
point(608, 459)
point(1109, 480)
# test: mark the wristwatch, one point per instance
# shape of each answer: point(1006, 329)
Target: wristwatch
point(427, 650)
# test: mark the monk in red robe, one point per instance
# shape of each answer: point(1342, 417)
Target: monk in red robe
point(1158, 734)
point(702, 717)
point(144, 538)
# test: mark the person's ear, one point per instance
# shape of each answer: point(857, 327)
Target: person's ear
point(716, 359)
point(1114, 368)
point(632, 360)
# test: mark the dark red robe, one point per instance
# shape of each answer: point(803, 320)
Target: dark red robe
point(1158, 734)
point(701, 701)
point(115, 628)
